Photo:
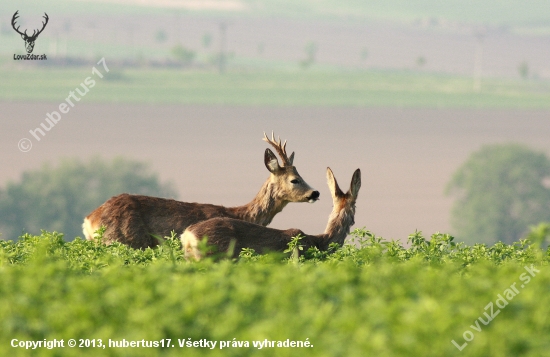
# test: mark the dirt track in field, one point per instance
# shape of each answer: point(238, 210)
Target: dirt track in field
point(215, 154)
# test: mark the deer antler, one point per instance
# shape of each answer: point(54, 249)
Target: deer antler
point(43, 24)
point(13, 19)
point(34, 33)
point(281, 149)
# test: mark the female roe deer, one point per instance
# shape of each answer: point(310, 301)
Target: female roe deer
point(135, 219)
point(224, 233)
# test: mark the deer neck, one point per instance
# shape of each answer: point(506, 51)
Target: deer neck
point(338, 226)
point(263, 207)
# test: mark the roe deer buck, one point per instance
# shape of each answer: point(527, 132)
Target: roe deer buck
point(223, 232)
point(135, 220)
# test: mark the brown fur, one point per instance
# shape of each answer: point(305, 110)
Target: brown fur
point(134, 219)
point(222, 231)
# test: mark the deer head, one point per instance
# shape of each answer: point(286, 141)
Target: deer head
point(342, 216)
point(29, 40)
point(290, 185)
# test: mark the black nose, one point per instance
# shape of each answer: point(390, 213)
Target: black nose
point(315, 195)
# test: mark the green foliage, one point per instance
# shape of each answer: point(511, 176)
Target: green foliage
point(294, 247)
point(376, 299)
point(183, 54)
point(82, 255)
point(58, 198)
point(501, 192)
point(539, 234)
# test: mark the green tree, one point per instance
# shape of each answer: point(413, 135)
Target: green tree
point(183, 54)
point(502, 190)
point(421, 61)
point(206, 40)
point(311, 53)
point(161, 36)
point(523, 69)
point(364, 54)
point(58, 198)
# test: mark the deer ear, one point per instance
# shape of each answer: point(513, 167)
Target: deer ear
point(291, 159)
point(270, 161)
point(333, 184)
point(355, 183)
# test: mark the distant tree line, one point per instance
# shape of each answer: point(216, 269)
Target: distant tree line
point(58, 198)
point(502, 190)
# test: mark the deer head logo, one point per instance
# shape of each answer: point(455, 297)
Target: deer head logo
point(29, 40)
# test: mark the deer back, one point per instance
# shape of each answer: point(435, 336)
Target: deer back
point(224, 233)
point(131, 219)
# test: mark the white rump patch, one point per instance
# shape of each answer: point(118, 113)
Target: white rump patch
point(87, 229)
point(189, 242)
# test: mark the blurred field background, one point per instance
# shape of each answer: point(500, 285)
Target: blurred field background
point(404, 90)
point(393, 48)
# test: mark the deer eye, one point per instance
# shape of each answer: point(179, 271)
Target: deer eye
point(295, 181)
